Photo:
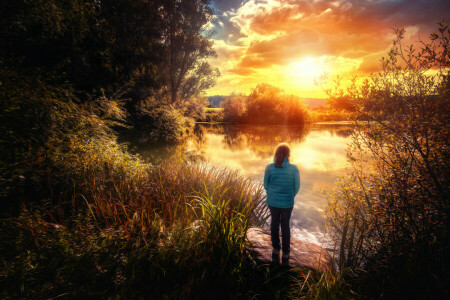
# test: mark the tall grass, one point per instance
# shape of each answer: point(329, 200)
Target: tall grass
point(167, 190)
point(132, 229)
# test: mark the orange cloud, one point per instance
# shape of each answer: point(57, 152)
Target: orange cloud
point(261, 40)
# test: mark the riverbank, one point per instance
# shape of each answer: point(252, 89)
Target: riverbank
point(216, 115)
point(133, 230)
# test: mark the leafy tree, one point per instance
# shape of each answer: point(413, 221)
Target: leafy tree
point(390, 216)
point(186, 71)
point(147, 48)
point(93, 45)
point(142, 50)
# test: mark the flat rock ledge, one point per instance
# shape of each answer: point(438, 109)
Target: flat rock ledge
point(303, 254)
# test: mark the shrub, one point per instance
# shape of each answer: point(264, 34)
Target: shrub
point(159, 121)
point(44, 127)
point(234, 108)
point(390, 216)
point(266, 104)
point(214, 115)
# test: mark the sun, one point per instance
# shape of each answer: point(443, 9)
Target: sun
point(306, 68)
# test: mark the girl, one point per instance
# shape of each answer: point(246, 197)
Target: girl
point(282, 182)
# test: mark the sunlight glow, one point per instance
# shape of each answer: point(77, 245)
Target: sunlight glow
point(307, 68)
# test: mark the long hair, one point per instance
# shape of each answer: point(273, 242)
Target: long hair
point(281, 152)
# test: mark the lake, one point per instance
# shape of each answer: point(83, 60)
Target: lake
point(319, 151)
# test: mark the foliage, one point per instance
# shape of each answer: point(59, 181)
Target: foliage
point(161, 122)
point(138, 49)
point(390, 216)
point(329, 115)
point(134, 230)
point(43, 128)
point(196, 108)
point(234, 108)
point(342, 103)
point(91, 220)
point(187, 72)
point(213, 114)
point(266, 104)
point(93, 45)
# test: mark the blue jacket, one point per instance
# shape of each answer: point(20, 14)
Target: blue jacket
point(281, 184)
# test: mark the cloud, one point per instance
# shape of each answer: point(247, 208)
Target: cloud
point(267, 35)
point(225, 30)
point(226, 5)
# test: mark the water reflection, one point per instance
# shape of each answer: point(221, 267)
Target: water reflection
point(319, 150)
point(258, 139)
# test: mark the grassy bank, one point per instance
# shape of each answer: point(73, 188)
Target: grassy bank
point(127, 229)
point(131, 229)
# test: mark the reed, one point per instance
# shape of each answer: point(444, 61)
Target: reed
point(168, 190)
point(132, 229)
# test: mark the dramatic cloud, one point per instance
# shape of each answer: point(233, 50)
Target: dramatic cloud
point(282, 41)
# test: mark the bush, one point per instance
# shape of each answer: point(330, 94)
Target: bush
point(44, 127)
point(158, 121)
point(234, 108)
point(92, 220)
point(389, 217)
point(265, 105)
point(214, 115)
point(195, 108)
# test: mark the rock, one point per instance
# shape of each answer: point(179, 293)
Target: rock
point(303, 254)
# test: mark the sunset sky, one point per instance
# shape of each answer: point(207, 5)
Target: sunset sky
point(288, 43)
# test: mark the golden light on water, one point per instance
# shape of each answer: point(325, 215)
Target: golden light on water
point(319, 153)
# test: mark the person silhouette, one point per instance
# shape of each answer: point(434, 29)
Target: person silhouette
point(282, 183)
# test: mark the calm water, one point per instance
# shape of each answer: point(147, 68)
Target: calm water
point(319, 151)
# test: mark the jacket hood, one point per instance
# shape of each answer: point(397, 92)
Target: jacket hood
point(285, 162)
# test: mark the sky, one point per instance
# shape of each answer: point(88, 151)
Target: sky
point(290, 43)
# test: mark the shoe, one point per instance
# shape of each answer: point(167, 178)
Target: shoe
point(276, 256)
point(285, 259)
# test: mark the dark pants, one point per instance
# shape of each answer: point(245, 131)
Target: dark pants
point(280, 215)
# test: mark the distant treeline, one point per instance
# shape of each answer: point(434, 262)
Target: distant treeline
point(310, 103)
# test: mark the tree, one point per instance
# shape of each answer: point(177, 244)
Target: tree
point(390, 216)
point(144, 50)
point(94, 45)
point(187, 73)
point(147, 48)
